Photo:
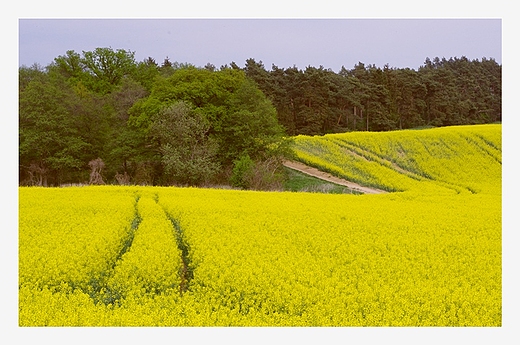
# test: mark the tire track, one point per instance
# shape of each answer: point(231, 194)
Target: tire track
point(371, 156)
point(420, 175)
point(131, 234)
point(416, 175)
point(186, 269)
point(485, 146)
point(98, 288)
point(362, 153)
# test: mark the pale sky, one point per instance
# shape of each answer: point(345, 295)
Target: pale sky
point(331, 43)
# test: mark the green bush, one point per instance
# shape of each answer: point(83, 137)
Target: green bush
point(242, 169)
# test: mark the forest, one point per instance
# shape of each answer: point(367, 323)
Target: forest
point(101, 117)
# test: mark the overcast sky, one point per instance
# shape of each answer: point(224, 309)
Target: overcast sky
point(331, 43)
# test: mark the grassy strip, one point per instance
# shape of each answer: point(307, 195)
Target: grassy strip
point(299, 182)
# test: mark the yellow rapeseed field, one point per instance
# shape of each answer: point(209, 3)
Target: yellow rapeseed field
point(428, 254)
point(459, 158)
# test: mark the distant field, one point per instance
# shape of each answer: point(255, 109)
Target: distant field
point(457, 159)
point(428, 254)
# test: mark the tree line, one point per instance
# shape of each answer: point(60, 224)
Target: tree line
point(102, 117)
point(442, 92)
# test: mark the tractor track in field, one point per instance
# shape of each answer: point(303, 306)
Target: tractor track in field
point(186, 270)
point(98, 287)
point(100, 290)
point(362, 153)
point(131, 233)
point(311, 171)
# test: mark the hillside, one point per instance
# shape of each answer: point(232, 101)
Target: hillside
point(457, 159)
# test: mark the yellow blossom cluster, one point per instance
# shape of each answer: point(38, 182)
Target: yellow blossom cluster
point(70, 236)
point(291, 259)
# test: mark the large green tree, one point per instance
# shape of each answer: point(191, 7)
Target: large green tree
point(100, 70)
point(107, 67)
point(188, 153)
point(250, 125)
point(241, 118)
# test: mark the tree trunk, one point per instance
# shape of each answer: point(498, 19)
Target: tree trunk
point(367, 120)
point(355, 117)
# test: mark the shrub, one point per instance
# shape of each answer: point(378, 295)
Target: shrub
point(266, 174)
point(242, 168)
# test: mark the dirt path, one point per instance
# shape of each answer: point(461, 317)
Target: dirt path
point(329, 178)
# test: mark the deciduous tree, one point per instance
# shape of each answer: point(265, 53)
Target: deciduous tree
point(188, 153)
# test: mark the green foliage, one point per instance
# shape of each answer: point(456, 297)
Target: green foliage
point(146, 73)
point(241, 119)
point(48, 137)
point(242, 169)
point(28, 74)
point(100, 70)
point(188, 153)
point(317, 101)
point(207, 91)
point(102, 103)
point(251, 126)
point(70, 65)
point(106, 67)
point(262, 174)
